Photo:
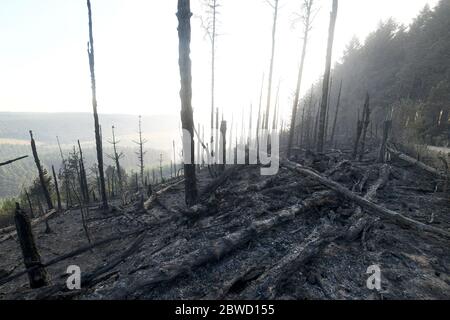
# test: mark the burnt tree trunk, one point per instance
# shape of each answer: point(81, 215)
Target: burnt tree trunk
point(45, 191)
point(184, 34)
point(272, 59)
point(37, 276)
point(29, 204)
point(365, 124)
point(326, 78)
point(338, 104)
point(98, 139)
point(382, 153)
point(85, 188)
point(58, 196)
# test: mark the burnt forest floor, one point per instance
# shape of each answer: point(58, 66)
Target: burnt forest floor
point(238, 242)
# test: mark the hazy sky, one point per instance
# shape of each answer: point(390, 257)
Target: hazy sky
point(44, 64)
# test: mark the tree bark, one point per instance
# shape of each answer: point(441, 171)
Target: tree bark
point(326, 78)
point(184, 34)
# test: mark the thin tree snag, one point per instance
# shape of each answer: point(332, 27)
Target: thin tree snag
point(326, 78)
point(333, 131)
point(184, 15)
point(58, 196)
point(364, 203)
point(365, 126)
point(272, 60)
point(217, 249)
point(38, 276)
point(223, 141)
point(45, 191)
point(415, 162)
point(307, 26)
point(266, 285)
point(85, 187)
point(98, 138)
point(386, 128)
point(11, 161)
point(29, 204)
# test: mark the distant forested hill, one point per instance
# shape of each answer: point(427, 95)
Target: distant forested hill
point(405, 70)
point(72, 126)
point(14, 142)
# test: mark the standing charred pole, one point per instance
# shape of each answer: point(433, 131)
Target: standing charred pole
point(160, 168)
point(37, 274)
point(223, 145)
point(307, 25)
point(386, 128)
point(84, 183)
point(366, 122)
point(29, 203)
point(98, 139)
point(141, 152)
point(174, 159)
point(116, 158)
point(45, 191)
point(259, 120)
point(57, 189)
point(274, 5)
point(333, 130)
point(184, 34)
point(326, 78)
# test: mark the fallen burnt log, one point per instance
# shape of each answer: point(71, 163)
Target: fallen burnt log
point(217, 249)
point(154, 196)
point(265, 287)
point(12, 161)
point(355, 230)
point(75, 253)
point(33, 223)
point(415, 162)
point(364, 203)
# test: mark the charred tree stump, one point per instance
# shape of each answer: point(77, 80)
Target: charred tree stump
point(37, 276)
point(41, 173)
point(57, 189)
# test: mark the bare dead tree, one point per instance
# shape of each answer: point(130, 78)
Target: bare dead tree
point(260, 122)
point(160, 168)
point(274, 6)
point(365, 125)
point(359, 127)
point(57, 189)
point(174, 158)
point(326, 78)
point(116, 158)
point(44, 188)
point(333, 130)
point(12, 161)
point(141, 153)
point(98, 139)
point(29, 203)
point(210, 26)
point(307, 21)
point(184, 34)
point(84, 182)
point(386, 129)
